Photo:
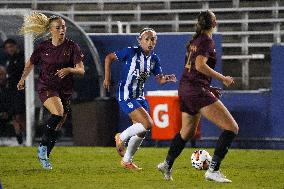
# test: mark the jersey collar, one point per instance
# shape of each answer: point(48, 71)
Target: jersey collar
point(141, 50)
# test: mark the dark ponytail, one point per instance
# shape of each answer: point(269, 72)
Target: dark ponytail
point(205, 21)
point(197, 31)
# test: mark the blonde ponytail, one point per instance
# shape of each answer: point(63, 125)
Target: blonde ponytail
point(36, 24)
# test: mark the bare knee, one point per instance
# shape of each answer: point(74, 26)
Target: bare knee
point(187, 132)
point(234, 128)
point(184, 135)
point(59, 113)
point(147, 124)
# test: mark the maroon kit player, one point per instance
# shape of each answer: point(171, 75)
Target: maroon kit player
point(198, 98)
point(58, 59)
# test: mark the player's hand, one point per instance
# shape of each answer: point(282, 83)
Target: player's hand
point(21, 85)
point(228, 80)
point(170, 78)
point(63, 72)
point(106, 84)
point(162, 79)
point(216, 91)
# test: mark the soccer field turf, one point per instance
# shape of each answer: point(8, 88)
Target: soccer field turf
point(94, 167)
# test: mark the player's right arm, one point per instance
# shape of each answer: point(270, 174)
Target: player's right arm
point(34, 59)
point(108, 60)
point(121, 55)
point(201, 66)
point(28, 67)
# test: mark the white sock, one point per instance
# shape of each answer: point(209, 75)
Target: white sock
point(135, 129)
point(133, 146)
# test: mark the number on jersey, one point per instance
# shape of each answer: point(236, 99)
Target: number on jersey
point(192, 49)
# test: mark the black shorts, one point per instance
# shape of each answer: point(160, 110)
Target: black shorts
point(17, 102)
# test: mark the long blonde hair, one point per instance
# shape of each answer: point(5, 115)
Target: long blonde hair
point(37, 24)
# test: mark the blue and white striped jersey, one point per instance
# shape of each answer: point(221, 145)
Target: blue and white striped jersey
point(136, 70)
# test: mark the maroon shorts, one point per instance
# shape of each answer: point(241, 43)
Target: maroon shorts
point(193, 98)
point(44, 94)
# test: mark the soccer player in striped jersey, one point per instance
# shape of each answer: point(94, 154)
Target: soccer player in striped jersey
point(139, 62)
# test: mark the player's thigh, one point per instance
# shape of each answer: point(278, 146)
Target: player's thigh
point(189, 125)
point(140, 115)
point(54, 105)
point(220, 116)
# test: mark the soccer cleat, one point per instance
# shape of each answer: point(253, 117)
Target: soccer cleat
point(42, 157)
point(130, 166)
point(120, 148)
point(216, 176)
point(164, 169)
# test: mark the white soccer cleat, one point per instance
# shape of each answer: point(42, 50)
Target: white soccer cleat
point(164, 169)
point(216, 176)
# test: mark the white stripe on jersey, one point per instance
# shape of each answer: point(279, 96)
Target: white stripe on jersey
point(134, 87)
point(142, 62)
point(129, 77)
point(148, 65)
point(119, 92)
point(137, 83)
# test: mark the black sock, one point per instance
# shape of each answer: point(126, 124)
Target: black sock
point(19, 138)
point(176, 148)
point(52, 142)
point(223, 144)
point(49, 129)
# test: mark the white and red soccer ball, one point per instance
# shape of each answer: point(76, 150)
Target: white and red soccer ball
point(200, 159)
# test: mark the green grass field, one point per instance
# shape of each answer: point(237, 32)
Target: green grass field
point(93, 167)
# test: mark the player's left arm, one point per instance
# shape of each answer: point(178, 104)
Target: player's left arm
point(77, 62)
point(158, 73)
point(78, 69)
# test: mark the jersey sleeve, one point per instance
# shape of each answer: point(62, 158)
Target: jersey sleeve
point(157, 69)
point(77, 56)
point(205, 48)
point(35, 57)
point(123, 54)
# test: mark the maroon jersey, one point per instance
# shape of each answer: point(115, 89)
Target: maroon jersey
point(51, 58)
point(194, 92)
point(202, 45)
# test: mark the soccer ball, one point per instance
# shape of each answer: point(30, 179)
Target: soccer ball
point(200, 159)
